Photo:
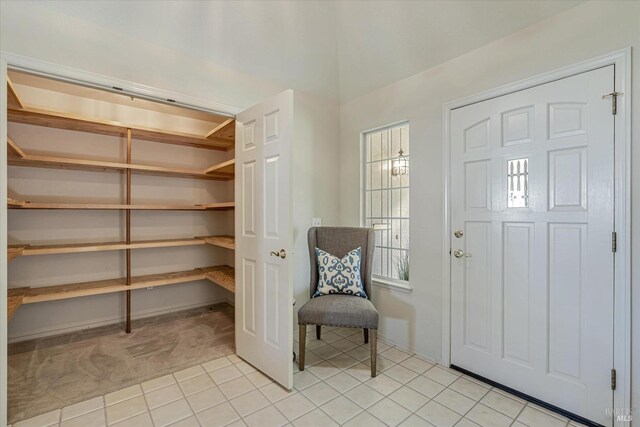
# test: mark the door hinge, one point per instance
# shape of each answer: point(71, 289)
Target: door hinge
point(614, 241)
point(613, 379)
point(614, 101)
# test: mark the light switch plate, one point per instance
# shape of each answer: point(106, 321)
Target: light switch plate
point(316, 222)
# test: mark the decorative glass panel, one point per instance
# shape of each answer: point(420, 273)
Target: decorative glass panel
point(387, 199)
point(518, 183)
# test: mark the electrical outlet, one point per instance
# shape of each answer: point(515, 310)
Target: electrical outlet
point(316, 222)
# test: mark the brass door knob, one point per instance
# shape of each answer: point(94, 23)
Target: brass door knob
point(282, 253)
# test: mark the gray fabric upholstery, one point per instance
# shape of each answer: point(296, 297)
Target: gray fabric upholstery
point(338, 241)
point(339, 310)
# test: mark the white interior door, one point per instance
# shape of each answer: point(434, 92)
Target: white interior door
point(532, 181)
point(264, 296)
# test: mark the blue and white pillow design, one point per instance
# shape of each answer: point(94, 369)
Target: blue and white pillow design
point(339, 276)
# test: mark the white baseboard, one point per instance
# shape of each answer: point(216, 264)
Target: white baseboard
point(43, 333)
point(403, 346)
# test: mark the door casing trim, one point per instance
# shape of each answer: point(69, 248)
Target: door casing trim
point(622, 344)
point(12, 61)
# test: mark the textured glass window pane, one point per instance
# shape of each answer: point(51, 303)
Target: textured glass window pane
point(396, 233)
point(404, 211)
point(377, 263)
point(385, 262)
point(376, 175)
point(396, 141)
point(396, 197)
point(405, 233)
point(404, 179)
point(518, 183)
point(376, 153)
point(386, 202)
point(404, 139)
point(396, 180)
point(384, 145)
point(376, 212)
point(367, 206)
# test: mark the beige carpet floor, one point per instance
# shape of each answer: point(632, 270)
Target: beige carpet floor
point(49, 373)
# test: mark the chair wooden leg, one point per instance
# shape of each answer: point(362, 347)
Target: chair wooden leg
point(318, 331)
point(366, 336)
point(302, 337)
point(374, 352)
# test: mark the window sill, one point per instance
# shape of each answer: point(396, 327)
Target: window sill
point(395, 286)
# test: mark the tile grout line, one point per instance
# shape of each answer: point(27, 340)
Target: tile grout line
point(104, 408)
point(144, 397)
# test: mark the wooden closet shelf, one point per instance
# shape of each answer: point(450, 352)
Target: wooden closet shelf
point(19, 204)
point(13, 101)
point(15, 297)
point(225, 277)
point(228, 242)
point(227, 167)
point(39, 117)
point(218, 172)
point(71, 248)
point(15, 251)
point(74, 290)
point(225, 130)
point(13, 150)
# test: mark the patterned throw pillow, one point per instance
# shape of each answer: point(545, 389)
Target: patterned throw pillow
point(339, 276)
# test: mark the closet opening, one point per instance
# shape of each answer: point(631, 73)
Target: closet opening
point(121, 241)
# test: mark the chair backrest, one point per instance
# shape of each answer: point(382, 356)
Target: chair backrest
point(339, 241)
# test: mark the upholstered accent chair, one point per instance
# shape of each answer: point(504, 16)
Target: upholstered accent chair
point(340, 310)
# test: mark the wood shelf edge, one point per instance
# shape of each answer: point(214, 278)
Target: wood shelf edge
point(227, 167)
point(15, 251)
point(224, 277)
point(222, 129)
point(20, 204)
point(32, 295)
point(13, 100)
point(13, 148)
point(41, 117)
point(21, 158)
point(223, 241)
point(15, 298)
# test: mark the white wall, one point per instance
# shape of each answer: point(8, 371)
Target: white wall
point(315, 180)
point(592, 29)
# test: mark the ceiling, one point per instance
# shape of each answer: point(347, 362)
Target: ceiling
point(340, 49)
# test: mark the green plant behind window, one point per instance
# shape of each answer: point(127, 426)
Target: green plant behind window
point(402, 266)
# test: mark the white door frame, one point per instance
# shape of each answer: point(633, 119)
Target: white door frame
point(72, 75)
point(622, 219)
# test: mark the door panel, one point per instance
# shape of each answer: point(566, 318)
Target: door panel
point(532, 285)
point(264, 296)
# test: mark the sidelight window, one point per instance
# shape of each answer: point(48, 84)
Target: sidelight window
point(386, 199)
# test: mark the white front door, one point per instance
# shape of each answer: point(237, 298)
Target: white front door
point(264, 236)
point(532, 185)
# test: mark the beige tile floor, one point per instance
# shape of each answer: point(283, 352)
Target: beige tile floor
point(335, 389)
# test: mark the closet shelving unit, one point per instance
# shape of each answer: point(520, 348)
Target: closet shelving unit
point(222, 137)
